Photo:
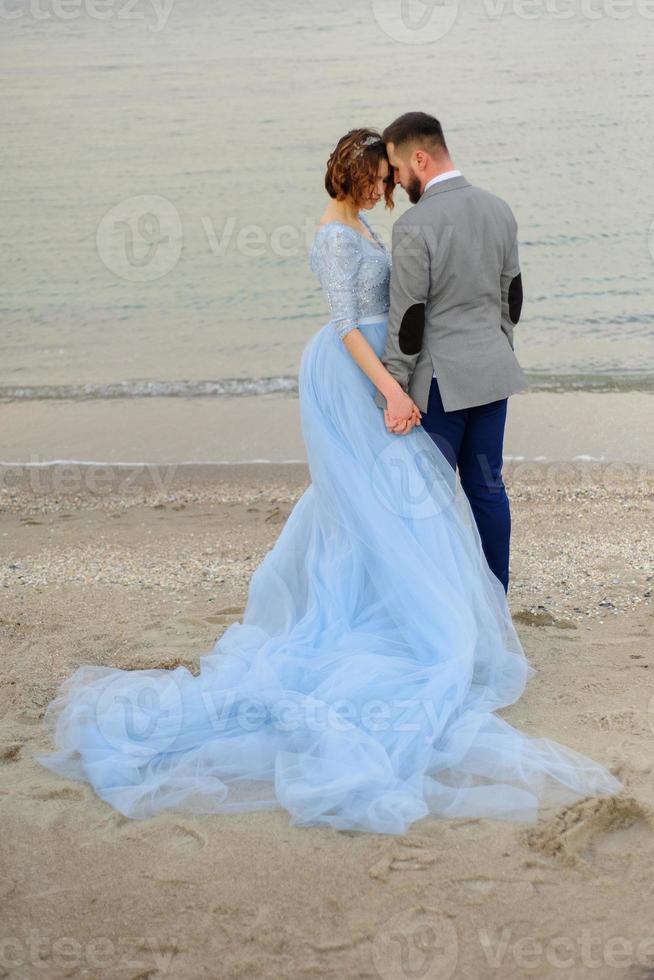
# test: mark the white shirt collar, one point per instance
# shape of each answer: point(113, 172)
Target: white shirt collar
point(445, 176)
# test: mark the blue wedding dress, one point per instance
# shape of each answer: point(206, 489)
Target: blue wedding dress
point(360, 688)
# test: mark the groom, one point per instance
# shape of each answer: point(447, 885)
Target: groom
point(456, 295)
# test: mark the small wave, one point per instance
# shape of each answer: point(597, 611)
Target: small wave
point(286, 385)
point(598, 383)
point(228, 387)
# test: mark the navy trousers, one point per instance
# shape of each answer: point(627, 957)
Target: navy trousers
point(472, 439)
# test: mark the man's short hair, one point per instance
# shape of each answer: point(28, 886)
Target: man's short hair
point(416, 127)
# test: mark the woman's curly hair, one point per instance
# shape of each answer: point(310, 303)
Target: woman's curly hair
point(353, 164)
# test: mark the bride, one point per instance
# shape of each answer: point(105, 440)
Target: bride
point(360, 688)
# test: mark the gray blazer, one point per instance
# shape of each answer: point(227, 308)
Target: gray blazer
point(455, 297)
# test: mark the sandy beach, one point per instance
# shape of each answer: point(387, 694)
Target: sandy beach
point(165, 166)
point(145, 567)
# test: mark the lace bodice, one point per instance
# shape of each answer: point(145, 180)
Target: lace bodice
point(353, 271)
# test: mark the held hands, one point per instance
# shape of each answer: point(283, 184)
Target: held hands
point(402, 426)
point(401, 413)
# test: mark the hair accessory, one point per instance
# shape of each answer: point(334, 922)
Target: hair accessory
point(368, 141)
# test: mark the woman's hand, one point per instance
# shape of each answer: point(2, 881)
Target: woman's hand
point(401, 413)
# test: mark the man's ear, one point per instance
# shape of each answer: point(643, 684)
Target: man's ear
point(515, 298)
point(412, 329)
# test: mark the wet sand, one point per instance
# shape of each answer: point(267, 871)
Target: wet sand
point(610, 427)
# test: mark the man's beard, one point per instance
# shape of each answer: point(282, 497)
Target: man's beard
point(413, 189)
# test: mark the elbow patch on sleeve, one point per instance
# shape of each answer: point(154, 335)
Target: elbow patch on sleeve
point(515, 298)
point(411, 329)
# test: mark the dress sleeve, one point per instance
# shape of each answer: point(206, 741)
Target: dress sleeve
point(337, 266)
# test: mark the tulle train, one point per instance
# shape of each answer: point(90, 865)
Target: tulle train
point(360, 688)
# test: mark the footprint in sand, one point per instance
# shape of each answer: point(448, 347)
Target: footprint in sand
point(631, 761)
point(10, 753)
point(399, 862)
point(187, 835)
point(166, 832)
point(407, 854)
point(629, 720)
point(478, 890)
point(581, 835)
point(595, 686)
point(565, 697)
point(226, 616)
point(58, 793)
point(528, 618)
point(167, 663)
point(276, 516)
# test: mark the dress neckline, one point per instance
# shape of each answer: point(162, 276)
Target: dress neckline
point(374, 241)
